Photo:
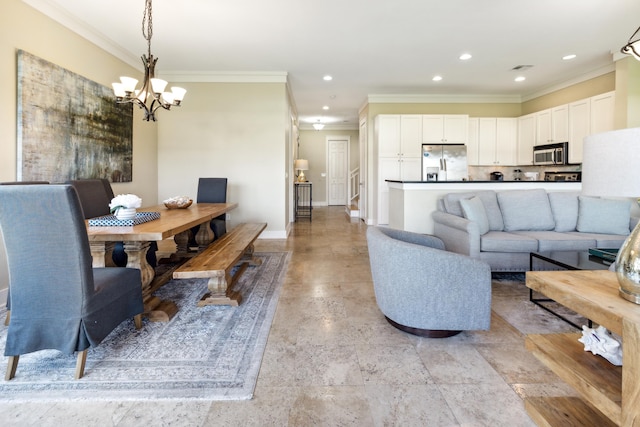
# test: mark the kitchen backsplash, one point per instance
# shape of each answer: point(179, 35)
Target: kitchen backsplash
point(481, 173)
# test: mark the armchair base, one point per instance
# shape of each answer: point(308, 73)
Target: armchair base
point(425, 333)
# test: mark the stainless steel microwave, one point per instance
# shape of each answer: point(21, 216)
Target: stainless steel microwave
point(551, 154)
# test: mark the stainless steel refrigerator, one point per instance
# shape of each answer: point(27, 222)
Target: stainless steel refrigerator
point(446, 162)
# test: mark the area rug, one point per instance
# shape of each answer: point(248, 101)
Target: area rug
point(211, 353)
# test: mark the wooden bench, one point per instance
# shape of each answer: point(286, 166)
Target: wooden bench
point(217, 260)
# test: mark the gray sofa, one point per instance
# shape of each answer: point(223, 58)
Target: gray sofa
point(502, 228)
point(423, 289)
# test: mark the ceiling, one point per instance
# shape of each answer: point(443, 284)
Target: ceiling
point(371, 48)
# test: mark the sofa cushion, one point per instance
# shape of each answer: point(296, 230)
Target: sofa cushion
point(473, 210)
point(526, 210)
point(554, 241)
point(489, 200)
point(564, 206)
point(610, 241)
point(501, 241)
point(603, 216)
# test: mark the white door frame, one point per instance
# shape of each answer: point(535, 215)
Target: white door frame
point(362, 139)
point(347, 140)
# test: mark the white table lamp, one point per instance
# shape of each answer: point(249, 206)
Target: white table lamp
point(301, 165)
point(611, 168)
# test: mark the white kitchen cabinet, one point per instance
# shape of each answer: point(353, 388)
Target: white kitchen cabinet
point(526, 139)
point(398, 138)
point(579, 127)
point(603, 112)
point(445, 129)
point(552, 125)
point(473, 148)
point(497, 141)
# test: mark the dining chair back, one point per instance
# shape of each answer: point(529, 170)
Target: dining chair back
point(213, 190)
point(58, 301)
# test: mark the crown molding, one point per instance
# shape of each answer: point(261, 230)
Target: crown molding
point(64, 18)
point(226, 76)
point(578, 79)
point(442, 99)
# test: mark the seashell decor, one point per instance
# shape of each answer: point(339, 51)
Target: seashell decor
point(178, 202)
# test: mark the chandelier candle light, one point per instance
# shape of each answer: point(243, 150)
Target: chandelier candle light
point(151, 95)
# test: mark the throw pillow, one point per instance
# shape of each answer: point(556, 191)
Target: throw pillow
point(473, 210)
point(564, 205)
point(526, 210)
point(605, 216)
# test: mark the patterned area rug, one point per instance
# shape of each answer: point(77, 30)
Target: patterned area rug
point(211, 353)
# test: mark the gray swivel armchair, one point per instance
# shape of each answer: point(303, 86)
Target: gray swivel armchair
point(58, 301)
point(423, 289)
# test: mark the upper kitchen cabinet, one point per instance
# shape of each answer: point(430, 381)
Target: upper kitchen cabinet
point(552, 125)
point(445, 129)
point(603, 112)
point(526, 138)
point(387, 132)
point(587, 117)
point(473, 147)
point(411, 135)
point(497, 141)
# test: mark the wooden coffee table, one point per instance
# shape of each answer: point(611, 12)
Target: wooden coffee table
point(563, 260)
point(610, 394)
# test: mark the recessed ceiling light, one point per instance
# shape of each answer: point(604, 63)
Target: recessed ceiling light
point(327, 78)
point(520, 79)
point(326, 107)
point(436, 78)
point(568, 57)
point(465, 56)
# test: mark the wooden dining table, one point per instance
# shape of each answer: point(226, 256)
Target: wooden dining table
point(174, 223)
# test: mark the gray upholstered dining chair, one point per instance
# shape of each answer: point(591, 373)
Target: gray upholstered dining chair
point(95, 196)
point(423, 289)
point(58, 301)
point(212, 190)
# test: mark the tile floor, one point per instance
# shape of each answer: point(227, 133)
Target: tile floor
point(333, 360)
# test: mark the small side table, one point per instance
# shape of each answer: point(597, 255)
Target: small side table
point(303, 200)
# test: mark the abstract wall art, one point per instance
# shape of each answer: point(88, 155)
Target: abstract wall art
point(69, 127)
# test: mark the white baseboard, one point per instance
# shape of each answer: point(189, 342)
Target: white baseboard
point(275, 234)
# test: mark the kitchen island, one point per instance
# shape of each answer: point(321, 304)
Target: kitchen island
point(412, 202)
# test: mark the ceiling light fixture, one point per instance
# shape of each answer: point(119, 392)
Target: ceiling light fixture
point(465, 56)
point(633, 45)
point(568, 57)
point(326, 107)
point(520, 79)
point(318, 126)
point(436, 78)
point(327, 78)
point(151, 95)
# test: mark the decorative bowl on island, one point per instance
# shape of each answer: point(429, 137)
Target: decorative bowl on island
point(178, 202)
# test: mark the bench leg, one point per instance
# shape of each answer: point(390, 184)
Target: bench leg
point(221, 289)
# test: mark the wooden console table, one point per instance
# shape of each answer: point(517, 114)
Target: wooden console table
point(610, 394)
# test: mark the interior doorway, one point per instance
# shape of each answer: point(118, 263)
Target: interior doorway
point(337, 170)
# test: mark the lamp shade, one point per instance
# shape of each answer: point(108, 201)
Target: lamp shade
point(301, 164)
point(611, 164)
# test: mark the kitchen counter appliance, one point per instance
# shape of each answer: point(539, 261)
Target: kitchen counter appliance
point(563, 176)
point(496, 176)
point(551, 154)
point(447, 162)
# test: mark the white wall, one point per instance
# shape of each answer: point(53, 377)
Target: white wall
point(239, 131)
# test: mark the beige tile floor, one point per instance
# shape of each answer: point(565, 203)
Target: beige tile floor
point(333, 360)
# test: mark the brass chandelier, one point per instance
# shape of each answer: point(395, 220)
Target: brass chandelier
point(151, 95)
